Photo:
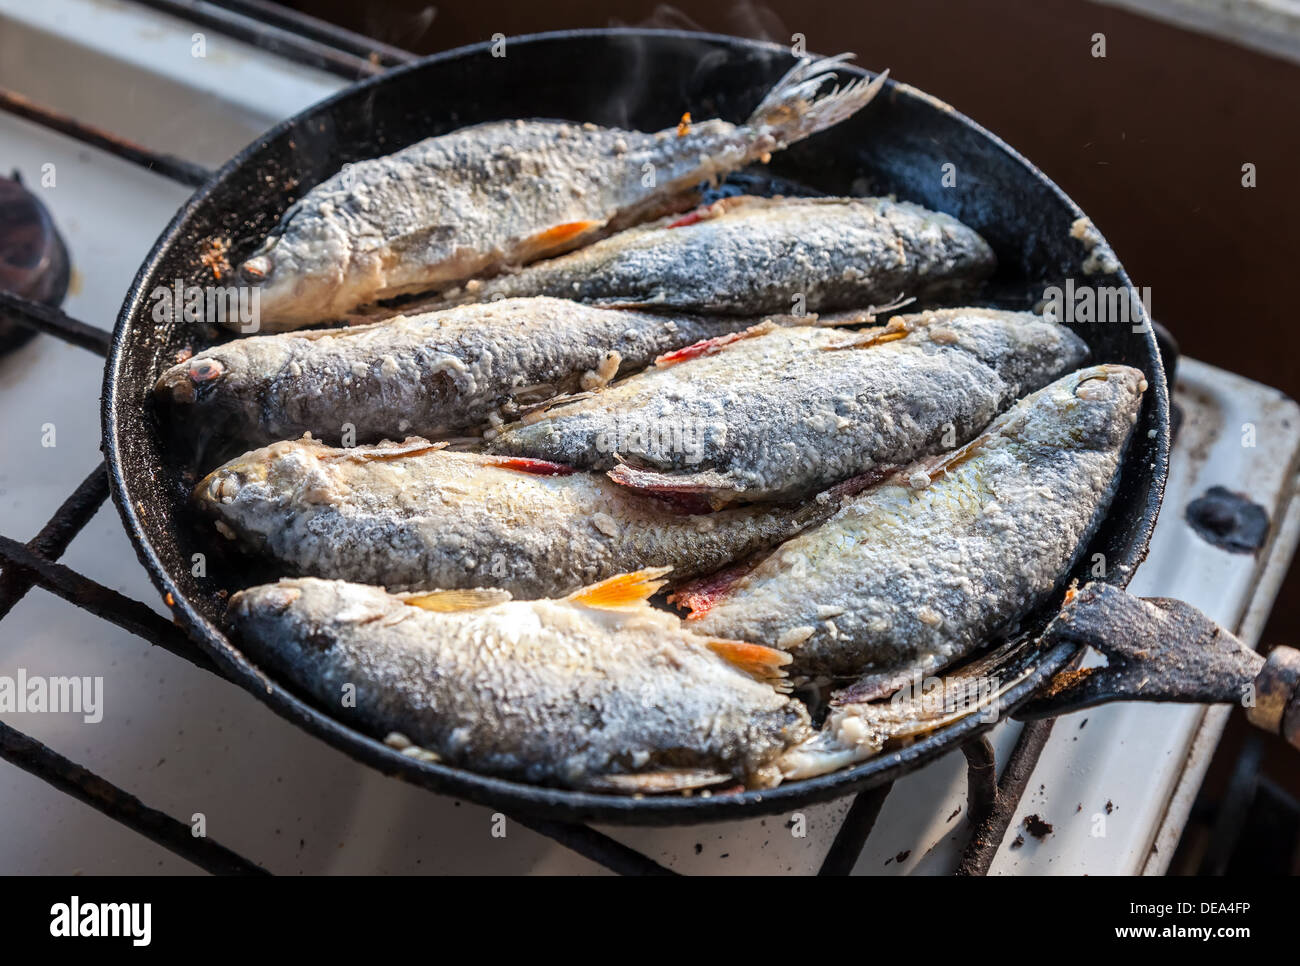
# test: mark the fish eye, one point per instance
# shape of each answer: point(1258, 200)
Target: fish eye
point(205, 370)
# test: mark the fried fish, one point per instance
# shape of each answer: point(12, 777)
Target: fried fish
point(413, 516)
point(501, 194)
point(920, 569)
point(432, 374)
point(781, 412)
point(596, 691)
point(755, 256)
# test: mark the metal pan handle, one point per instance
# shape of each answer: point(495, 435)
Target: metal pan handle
point(1159, 649)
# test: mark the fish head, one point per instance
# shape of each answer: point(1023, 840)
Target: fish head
point(189, 381)
point(286, 471)
point(299, 282)
point(1093, 408)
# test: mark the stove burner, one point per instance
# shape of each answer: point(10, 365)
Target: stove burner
point(1228, 520)
point(33, 259)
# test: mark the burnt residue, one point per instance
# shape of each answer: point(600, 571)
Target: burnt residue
point(1038, 828)
point(1229, 520)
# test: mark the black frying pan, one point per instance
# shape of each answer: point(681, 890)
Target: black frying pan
point(638, 79)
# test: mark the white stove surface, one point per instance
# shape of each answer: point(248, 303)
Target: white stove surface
point(186, 742)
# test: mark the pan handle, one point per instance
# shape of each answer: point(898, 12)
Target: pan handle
point(1159, 649)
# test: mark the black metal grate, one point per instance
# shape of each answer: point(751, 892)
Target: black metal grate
point(991, 804)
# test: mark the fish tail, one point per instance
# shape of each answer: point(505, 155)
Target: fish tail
point(791, 110)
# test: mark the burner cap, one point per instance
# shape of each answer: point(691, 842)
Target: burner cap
point(33, 259)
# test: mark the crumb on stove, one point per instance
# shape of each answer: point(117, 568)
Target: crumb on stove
point(1110, 806)
point(1018, 841)
point(1036, 827)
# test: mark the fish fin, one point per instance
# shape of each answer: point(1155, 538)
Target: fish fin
point(758, 661)
point(703, 593)
point(865, 316)
point(451, 601)
point(892, 331)
point(792, 109)
point(829, 750)
point(710, 482)
point(557, 238)
point(534, 467)
point(659, 782)
point(621, 591)
point(550, 402)
point(875, 685)
point(411, 446)
point(707, 347)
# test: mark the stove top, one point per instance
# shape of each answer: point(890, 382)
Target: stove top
point(1114, 784)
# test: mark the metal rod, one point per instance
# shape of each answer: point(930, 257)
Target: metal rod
point(316, 29)
point(52, 321)
point(988, 835)
point(105, 602)
point(87, 787)
point(1230, 818)
point(843, 854)
point(55, 536)
point(598, 847)
point(167, 165)
point(268, 37)
point(981, 779)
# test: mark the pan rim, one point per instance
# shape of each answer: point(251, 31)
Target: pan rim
point(518, 797)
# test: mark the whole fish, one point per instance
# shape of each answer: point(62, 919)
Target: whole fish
point(920, 569)
point(596, 691)
point(428, 375)
point(413, 516)
point(501, 194)
point(754, 256)
point(777, 413)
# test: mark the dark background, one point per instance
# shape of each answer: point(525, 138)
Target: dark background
point(1149, 140)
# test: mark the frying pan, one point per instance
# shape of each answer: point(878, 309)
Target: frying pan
point(640, 79)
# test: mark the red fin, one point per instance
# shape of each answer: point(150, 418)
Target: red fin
point(707, 347)
point(700, 595)
point(536, 467)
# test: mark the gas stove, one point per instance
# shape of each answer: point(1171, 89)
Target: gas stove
point(179, 88)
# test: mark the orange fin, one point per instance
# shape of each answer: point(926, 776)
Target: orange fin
point(450, 601)
point(658, 782)
point(624, 590)
point(558, 236)
point(756, 660)
point(894, 330)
